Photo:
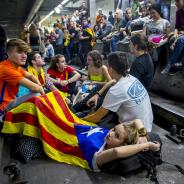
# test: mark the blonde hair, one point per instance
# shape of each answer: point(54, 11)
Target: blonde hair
point(21, 45)
point(132, 134)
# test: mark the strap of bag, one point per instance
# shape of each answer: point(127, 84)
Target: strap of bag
point(2, 92)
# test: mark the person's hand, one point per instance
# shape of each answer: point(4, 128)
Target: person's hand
point(93, 101)
point(63, 82)
point(42, 92)
point(154, 146)
point(67, 100)
point(175, 35)
point(142, 140)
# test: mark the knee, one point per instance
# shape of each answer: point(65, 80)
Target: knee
point(181, 40)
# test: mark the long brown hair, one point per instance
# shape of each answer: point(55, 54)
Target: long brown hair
point(32, 30)
point(54, 61)
point(96, 57)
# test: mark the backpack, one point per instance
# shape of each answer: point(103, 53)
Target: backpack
point(139, 162)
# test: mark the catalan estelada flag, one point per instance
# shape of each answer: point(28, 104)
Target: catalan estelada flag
point(65, 137)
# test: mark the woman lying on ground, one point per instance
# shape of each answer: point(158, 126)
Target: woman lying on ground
point(67, 138)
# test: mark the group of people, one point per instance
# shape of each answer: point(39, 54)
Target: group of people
point(71, 35)
point(127, 97)
point(149, 21)
point(119, 89)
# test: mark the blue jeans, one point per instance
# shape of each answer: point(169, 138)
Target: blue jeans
point(114, 43)
point(177, 52)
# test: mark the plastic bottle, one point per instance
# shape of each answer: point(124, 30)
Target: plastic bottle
point(84, 88)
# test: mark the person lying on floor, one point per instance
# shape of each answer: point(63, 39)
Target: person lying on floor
point(68, 139)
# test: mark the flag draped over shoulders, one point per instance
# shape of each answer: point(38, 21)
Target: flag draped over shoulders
point(48, 118)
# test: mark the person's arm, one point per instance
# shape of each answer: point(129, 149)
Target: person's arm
point(97, 116)
point(124, 151)
point(32, 86)
point(138, 124)
point(144, 30)
point(32, 78)
point(95, 98)
point(75, 77)
point(106, 73)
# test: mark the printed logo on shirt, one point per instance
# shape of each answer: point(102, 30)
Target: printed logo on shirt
point(137, 91)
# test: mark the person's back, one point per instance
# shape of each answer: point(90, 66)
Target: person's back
point(111, 18)
point(143, 69)
point(130, 100)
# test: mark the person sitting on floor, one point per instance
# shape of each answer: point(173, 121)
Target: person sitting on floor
point(128, 97)
point(62, 75)
point(12, 75)
point(97, 72)
point(36, 68)
point(142, 68)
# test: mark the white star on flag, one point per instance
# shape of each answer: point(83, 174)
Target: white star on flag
point(92, 131)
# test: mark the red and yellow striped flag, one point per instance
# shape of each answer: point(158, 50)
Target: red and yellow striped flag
point(48, 118)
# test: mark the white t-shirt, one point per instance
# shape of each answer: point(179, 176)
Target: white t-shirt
point(130, 100)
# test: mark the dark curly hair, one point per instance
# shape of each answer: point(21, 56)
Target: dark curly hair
point(97, 59)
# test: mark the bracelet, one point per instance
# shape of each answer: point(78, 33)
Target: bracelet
point(98, 94)
point(69, 81)
point(142, 132)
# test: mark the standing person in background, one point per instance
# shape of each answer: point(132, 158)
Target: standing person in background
point(135, 6)
point(99, 16)
point(3, 38)
point(111, 18)
point(59, 39)
point(24, 33)
point(87, 41)
point(49, 49)
point(73, 40)
point(34, 38)
point(12, 75)
point(83, 11)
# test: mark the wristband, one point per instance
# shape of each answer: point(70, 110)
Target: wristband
point(142, 132)
point(98, 94)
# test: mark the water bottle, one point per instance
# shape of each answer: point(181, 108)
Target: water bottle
point(84, 88)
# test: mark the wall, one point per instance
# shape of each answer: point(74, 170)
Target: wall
point(106, 5)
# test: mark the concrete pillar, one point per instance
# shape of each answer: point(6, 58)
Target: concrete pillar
point(92, 6)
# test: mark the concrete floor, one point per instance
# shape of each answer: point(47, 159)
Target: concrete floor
point(46, 171)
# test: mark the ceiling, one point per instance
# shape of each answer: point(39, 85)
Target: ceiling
point(15, 13)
